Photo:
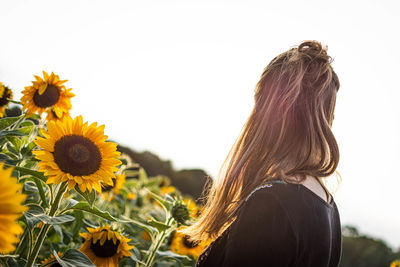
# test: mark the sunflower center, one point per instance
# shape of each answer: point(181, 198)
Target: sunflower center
point(5, 98)
point(189, 244)
point(107, 188)
point(107, 250)
point(48, 98)
point(77, 155)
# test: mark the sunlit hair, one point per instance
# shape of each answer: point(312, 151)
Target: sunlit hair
point(287, 135)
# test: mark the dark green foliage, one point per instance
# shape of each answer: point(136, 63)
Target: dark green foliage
point(188, 181)
point(363, 251)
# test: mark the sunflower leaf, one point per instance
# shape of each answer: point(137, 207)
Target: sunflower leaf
point(13, 262)
point(27, 130)
point(16, 142)
point(59, 231)
point(164, 203)
point(133, 260)
point(31, 172)
point(59, 219)
point(73, 258)
point(11, 133)
point(84, 206)
point(42, 195)
point(170, 255)
point(7, 122)
point(36, 214)
point(31, 215)
point(159, 225)
point(89, 196)
point(28, 186)
point(148, 228)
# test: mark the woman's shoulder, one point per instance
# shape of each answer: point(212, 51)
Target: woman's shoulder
point(273, 191)
point(289, 194)
point(264, 200)
point(265, 188)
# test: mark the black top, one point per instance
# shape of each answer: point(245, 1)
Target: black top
point(279, 225)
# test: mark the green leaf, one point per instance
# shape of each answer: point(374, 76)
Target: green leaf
point(11, 133)
point(11, 148)
point(135, 258)
point(159, 225)
point(152, 182)
point(60, 219)
point(78, 222)
point(169, 198)
point(30, 187)
point(16, 263)
point(89, 196)
point(161, 255)
point(73, 258)
point(59, 231)
point(31, 215)
point(42, 195)
point(136, 255)
point(35, 174)
point(4, 157)
point(84, 206)
point(148, 228)
point(36, 214)
point(27, 123)
point(16, 142)
point(7, 122)
point(27, 130)
point(165, 204)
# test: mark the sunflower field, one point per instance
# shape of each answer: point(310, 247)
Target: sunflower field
point(69, 198)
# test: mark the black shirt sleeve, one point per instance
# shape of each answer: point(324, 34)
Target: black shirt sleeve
point(262, 234)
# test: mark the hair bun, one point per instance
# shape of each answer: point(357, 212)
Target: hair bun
point(314, 50)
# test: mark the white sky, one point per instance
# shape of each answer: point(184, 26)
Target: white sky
point(177, 78)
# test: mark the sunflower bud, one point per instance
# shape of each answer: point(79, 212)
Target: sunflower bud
point(180, 213)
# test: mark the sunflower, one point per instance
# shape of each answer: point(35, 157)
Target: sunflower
point(52, 259)
point(10, 210)
point(118, 183)
point(5, 97)
point(76, 152)
point(181, 245)
point(46, 94)
point(396, 263)
point(105, 247)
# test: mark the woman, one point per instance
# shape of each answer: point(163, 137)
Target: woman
point(269, 205)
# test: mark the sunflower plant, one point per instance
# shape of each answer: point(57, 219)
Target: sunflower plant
point(69, 198)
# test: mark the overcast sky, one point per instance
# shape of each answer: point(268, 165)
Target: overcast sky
point(177, 78)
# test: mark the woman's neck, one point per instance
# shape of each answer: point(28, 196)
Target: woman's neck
point(316, 185)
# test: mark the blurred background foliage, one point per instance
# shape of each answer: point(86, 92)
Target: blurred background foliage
point(188, 181)
point(360, 250)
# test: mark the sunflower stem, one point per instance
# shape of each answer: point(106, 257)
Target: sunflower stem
point(153, 249)
point(46, 227)
point(22, 238)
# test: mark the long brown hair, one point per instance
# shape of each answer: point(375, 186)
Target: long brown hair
point(288, 134)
